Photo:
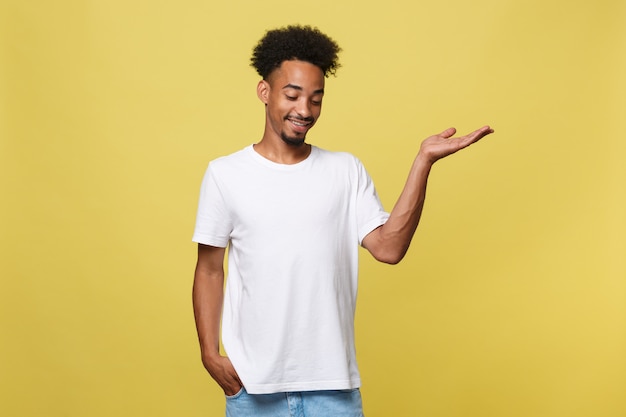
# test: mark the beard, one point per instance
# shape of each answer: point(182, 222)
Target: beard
point(297, 141)
point(292, 141)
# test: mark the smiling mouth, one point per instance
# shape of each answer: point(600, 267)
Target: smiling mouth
point(300, 122)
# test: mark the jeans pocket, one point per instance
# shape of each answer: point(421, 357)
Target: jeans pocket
point(234, 396)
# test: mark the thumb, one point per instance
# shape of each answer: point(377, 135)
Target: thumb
point(448, 132)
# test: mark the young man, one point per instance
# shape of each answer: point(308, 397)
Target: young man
point(293, 216)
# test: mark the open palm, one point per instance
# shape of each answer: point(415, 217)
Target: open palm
point(439, 146)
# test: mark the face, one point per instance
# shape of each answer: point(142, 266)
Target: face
point(293, 97)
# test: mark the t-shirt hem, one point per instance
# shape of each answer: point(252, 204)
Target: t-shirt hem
point(302, 386)
point(373, 224)
point(208, 240)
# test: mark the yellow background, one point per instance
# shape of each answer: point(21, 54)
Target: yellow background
point(512, 299)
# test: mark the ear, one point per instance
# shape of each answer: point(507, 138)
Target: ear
point(263, 91)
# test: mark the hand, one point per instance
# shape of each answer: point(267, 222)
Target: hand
point(439, 146)
point(222, 371)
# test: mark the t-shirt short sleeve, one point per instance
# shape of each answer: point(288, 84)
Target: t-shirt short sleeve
point(213, 224)
point(369, 209)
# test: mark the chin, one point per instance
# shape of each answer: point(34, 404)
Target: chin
point(296, 142)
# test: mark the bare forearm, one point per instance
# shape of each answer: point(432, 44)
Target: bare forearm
point(390, 242)
point(208, 297)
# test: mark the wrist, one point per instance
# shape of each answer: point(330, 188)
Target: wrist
point(210, 356)
point(423, 162)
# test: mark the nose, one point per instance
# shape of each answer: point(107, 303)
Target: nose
point(303, 108)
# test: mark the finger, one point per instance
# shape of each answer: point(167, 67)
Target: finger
point(235, 378)
point(233, 374)
point(231, 385)
point(236, 384)
point(449, 132)
point(230, 391)
point(478, 134)
point(483, 131)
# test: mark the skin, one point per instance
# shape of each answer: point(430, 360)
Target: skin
point(292, 96)
point(208, 298)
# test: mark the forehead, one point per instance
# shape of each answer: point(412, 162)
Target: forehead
point(299, 73)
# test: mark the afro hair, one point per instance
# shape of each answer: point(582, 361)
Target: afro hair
point(295, 42)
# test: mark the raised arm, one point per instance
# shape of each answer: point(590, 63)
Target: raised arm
point(208, 298)
point(389, 242)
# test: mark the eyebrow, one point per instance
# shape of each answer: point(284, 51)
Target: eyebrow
point(297, 87)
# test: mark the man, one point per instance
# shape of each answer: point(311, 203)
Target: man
point(293, 216)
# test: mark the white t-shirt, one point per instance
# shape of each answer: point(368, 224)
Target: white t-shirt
point(294, 232)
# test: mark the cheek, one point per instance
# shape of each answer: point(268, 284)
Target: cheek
point(275, 111)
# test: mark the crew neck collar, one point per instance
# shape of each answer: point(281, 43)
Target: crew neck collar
point(285, 167)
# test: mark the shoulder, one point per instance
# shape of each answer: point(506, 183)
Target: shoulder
point(232, 161)
point(344, 162)
point(337, 157)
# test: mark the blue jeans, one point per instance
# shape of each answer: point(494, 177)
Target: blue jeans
point(340, 403)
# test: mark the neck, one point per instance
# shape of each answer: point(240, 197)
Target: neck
point(282, 153)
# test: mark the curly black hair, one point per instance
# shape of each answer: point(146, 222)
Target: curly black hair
point(295, 42)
